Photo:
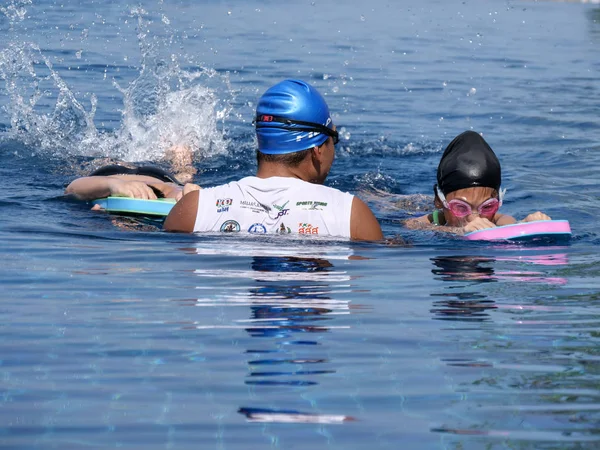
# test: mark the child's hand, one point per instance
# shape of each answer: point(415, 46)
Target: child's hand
point(480, 223)
point(177, 192)
point(168, 190)
point(538, 215)
point(135, 189)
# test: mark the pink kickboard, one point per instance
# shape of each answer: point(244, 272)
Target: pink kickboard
point(527, 230)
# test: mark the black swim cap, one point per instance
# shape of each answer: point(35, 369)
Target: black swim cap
point(468, 161)
point(149, 171)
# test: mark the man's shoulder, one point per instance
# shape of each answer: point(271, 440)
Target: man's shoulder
point(228, 185)
point(292, 183)
point(329, 190)
point(278, 183)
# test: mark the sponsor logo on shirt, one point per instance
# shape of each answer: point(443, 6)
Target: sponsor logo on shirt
point(307, 228)
point(311, 205)
point(257, 228)
point(230, 226)
point(223, 204)
point(283, 229)
point(253, 206)
point(282, 209)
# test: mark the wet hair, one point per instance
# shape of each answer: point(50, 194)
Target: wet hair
point(468, 161)
point(149, 171)
point(287, 159)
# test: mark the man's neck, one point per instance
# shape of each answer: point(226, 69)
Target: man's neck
point(268, 170)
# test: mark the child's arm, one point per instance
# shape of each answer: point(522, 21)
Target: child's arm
point(419, 223)
point(425, 223)
point(504, 219)
point(91, 188)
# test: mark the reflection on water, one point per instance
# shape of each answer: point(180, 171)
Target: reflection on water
point(464, 268)
point(291, 305)
point(468, 301)
point(523, 373)
point(287, 312)
point(464, 306)
point(290, 416)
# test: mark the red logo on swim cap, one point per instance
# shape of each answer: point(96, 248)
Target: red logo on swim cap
point(266, 118)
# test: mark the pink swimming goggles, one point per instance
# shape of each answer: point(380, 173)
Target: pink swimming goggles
point(460, 208)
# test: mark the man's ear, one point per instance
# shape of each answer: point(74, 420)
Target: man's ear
point(317, 152)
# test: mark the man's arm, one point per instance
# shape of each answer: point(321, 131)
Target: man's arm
point(363, 224)
point(182, 217)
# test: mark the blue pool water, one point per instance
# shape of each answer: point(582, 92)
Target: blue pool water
point(115, 334)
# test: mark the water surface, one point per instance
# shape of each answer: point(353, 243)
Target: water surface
point(115, 334)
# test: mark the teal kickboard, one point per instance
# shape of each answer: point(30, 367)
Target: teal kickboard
point(160, 207)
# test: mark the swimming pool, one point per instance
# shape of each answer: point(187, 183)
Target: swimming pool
point(117, 334)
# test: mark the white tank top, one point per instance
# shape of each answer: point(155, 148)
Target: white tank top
point(275, 205)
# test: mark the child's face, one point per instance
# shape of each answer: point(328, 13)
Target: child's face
point(475, 197)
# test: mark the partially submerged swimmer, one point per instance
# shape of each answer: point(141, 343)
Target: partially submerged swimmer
point(468, 193)
point(143, 182)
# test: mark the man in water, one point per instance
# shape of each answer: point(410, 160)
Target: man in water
point(296, 139)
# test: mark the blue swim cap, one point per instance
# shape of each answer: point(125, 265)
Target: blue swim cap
point(306, 110)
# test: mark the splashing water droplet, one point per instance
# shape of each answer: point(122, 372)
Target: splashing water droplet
point(15, 11)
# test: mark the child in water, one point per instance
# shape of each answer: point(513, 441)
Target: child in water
point(145, 182)
point(468, 194)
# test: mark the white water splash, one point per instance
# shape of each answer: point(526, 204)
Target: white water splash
point(156, 117)
point(164, 106)
point(28, 75)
